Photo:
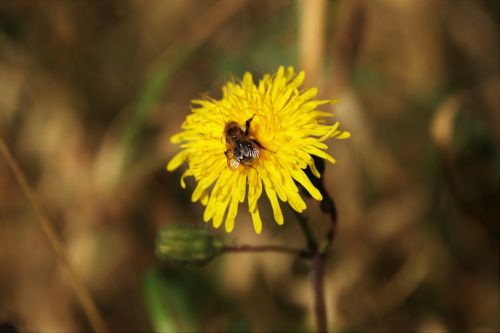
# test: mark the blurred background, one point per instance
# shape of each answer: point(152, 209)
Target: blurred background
point(91, 91)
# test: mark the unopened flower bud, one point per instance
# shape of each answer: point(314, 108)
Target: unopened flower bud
point(186, 245)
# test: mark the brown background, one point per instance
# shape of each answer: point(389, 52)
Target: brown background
point(91, 91)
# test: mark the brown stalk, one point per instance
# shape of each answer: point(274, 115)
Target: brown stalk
point(82, 294)
point(312, 46)
point(312, 37)
point(264, 248)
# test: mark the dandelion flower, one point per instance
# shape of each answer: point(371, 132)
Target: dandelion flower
point(280, 129)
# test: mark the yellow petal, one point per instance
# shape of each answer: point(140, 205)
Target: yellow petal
point(278, 215)
point(257, 222)
point(320, 153)
point(247, 80)
point(197, 193)
point(330, 132)
point(177, 138)
point(289, 72)
point(219, 213)
point(297, 80)
point(241, 187)
point(186, 173)
point(296, 202)
point(254, 189)
point(231, 214)
point(204, 198)
point(313, 168)
point(278, 83)
point(342, 135)
point(301, 177)
point(177, 160)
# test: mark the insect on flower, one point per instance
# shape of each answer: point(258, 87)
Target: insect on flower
point(256, 141)
point(241, 148)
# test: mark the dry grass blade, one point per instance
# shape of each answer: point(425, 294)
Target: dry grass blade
point(82, 294)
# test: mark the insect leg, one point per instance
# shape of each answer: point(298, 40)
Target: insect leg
point(247, 124)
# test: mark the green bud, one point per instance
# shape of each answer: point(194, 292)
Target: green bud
point(186, 245)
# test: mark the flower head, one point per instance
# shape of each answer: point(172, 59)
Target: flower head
point(257, 137)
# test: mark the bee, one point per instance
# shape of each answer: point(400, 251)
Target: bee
point(241, 148)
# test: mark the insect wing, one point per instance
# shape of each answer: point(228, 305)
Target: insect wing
point(233, 163)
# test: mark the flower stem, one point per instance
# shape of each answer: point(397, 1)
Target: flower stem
point(312, 243)
point(318, 254)
point(318, 257)
point(328, 206)
point(319, 292)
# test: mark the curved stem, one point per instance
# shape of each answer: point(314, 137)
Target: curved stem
point(82, 294)
point(319, 253)
point(319, 292)
point(317, 273)
point(328, 206)
point(312, 243)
